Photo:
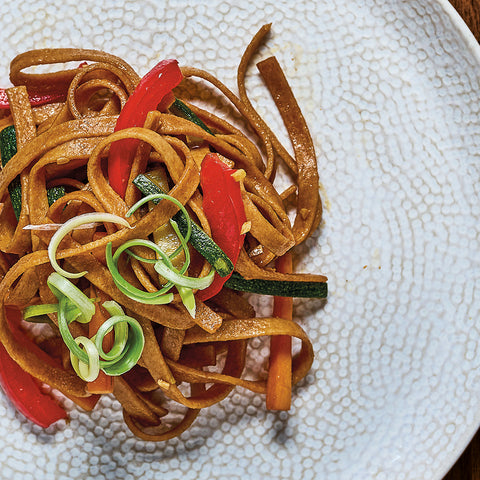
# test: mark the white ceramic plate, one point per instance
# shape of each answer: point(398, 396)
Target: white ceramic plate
point(390, 90)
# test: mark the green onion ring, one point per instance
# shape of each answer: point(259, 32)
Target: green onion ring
point(71, 224)
point(183, 245)
point(198, 283)
point(48, 308)
point(87, 361)
point(156, 298)
point(113, 308)
point(87, 371)
point(120, 335)
point(153, 246)
point(123, 361)
point(37, 310)
point(140, 242)
point(164, 266)
point(133, 348)
point(65, 332)
point(188, 299)
point(62, 287)
point(164, 196)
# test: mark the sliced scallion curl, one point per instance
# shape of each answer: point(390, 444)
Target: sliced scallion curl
point(149, 244)
point(89, 370)
point(188, 299)
point(84, 352)
point(133, 348)
point(183, 246)
point(37, 310)
point(39, 313)
point(113, 307)
point(120, 333)
point(152, 245)
point(140, 258)
point(198, 283)
point(61, 288)
point(140, 242)
point(32, 311)
point(186, 294)
point(128, 345)
point(184, 284)
point(182, 238)
point(164, 266)
point(154, 298)
point(164, 196)
point(70, 225)
point(66, 334)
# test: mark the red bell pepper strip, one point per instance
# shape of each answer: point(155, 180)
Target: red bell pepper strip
point(36, 99)
point(22, 389)
point(223, 207)
point(151, 90)
point(25, 394)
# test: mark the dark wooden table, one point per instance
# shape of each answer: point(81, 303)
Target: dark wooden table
point(468, 465)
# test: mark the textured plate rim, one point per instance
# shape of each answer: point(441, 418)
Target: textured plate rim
point(473, 46)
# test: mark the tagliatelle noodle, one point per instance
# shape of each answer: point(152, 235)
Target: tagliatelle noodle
point(63, 78)
point(270, 140)
point(68, 152)
point(25, 131)
point(309, 205)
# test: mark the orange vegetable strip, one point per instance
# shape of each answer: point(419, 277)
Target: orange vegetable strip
point(279, 382)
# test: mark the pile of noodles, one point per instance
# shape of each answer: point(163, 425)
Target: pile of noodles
point(67, 143)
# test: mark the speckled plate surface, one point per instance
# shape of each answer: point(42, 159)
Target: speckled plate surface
point(391, 92)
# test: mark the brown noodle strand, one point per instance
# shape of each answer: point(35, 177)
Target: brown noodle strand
point(163, 433)
point(172, 342)
point(86, 128)
point(309, 206)
point(25, 131)
point(153, 356)
point(54, 81)
point(269, 138)
point(132, 402)
point(88, 88)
